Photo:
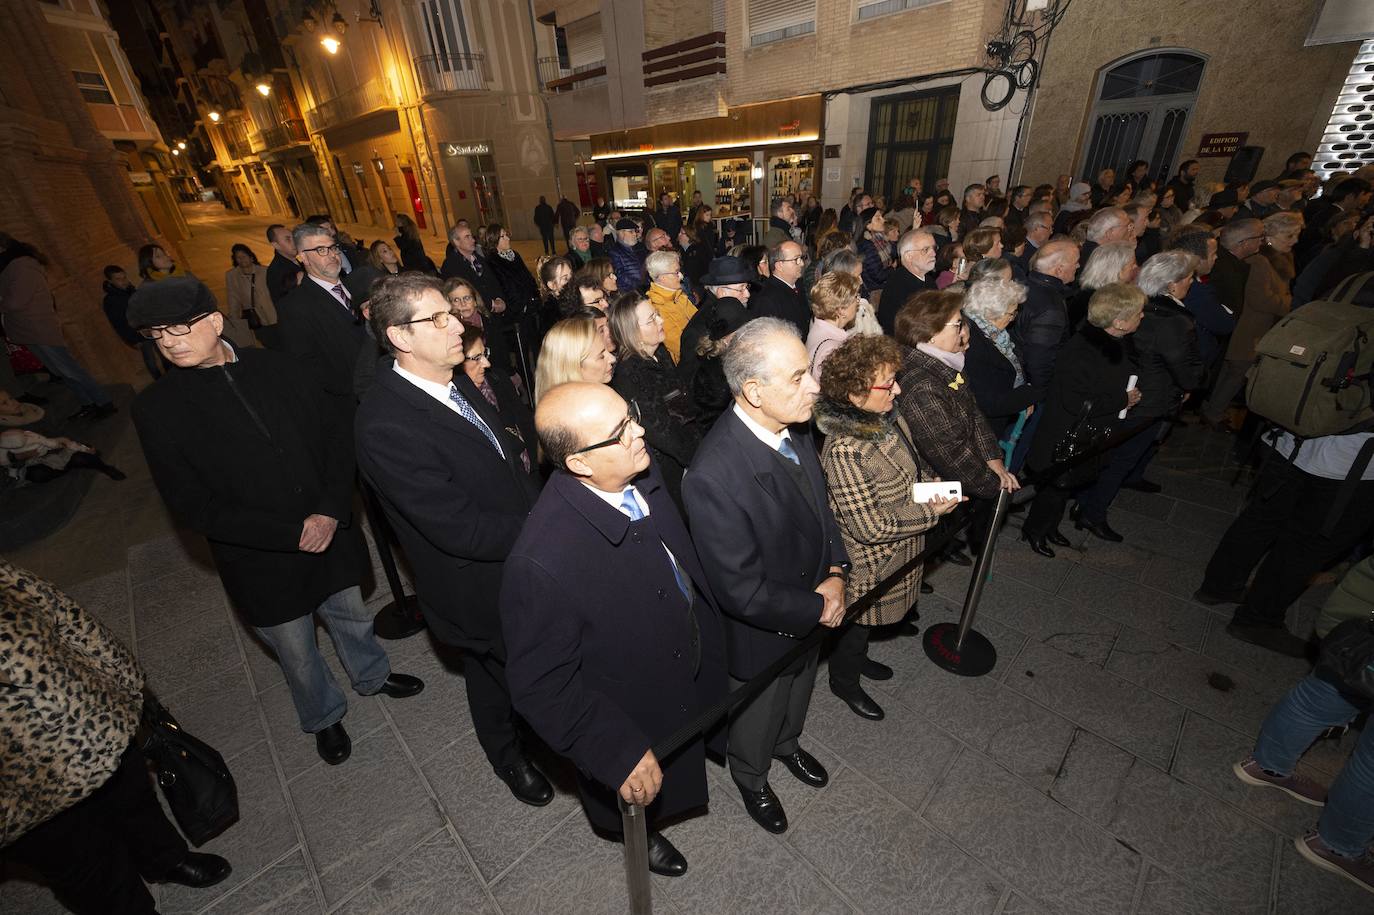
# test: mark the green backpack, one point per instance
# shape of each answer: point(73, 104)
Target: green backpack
point(1311, 373)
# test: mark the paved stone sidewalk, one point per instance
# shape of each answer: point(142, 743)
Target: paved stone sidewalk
point(1090, 772)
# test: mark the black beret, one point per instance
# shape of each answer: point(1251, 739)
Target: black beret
point(175, 300)
point(626, 223)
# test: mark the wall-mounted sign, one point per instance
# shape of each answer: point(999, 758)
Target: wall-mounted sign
point(1221, 144)
point(465, 149)
point(140, 178)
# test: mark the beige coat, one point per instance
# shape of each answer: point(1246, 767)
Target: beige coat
point(26, 304)
point(1268, 297)
point(869, 472)
point(70, 701)
point(243, 291)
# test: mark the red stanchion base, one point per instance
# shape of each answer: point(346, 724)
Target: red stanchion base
point(399, 619)
point(976, 658)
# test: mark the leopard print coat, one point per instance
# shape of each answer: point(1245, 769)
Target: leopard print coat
point(70, 701)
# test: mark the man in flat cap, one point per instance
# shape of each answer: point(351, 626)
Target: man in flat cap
point(245, 450)
point(626, 259)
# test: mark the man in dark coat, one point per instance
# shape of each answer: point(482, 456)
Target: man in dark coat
point(771, 549)
point(118, 290)
point(568, 213)
point(450, 478)
point(319, 323)
point(727, 277)
point(1184, 184)
point(627, 261)
point(668, 217)
point(913, 274)
point(1236, 242)
point(1042, 326)
point(544, 219)
point(778, 295)
point(603, 564)
point(245, 450)
point(465, 262)
point(283, 273)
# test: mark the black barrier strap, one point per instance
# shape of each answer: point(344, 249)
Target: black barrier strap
point(688, 732)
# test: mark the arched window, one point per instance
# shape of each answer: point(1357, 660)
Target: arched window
point(1141, 111)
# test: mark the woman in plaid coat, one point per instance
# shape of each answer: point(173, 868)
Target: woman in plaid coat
point(869, 466)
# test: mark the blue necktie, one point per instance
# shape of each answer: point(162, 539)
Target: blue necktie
point(630, 506)
point(786, 450)
point(467, 412)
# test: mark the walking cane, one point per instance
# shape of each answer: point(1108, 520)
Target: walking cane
point(959, 649)
point(1009, 446)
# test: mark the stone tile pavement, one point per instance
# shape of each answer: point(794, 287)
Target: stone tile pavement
point(1089, 772)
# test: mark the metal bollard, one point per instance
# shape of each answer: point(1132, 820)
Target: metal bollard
point(959, 649)
point(401, 618)
point(636, 834)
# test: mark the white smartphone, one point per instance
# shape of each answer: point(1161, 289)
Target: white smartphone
point(924, 492)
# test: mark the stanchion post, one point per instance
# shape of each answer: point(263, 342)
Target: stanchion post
point(636, 834)
point(959, 649)
point(401, 618)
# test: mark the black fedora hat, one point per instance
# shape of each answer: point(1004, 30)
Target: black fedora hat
point(726, 271)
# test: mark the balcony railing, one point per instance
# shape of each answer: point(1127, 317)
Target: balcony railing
point(255, 143)
point(440, 73)
point(694, 58)
point(581, 78)
point(550, 70)
point(285, 134)
point(373, 95)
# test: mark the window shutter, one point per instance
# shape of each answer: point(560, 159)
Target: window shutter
point(585, 49)
point(775, 20)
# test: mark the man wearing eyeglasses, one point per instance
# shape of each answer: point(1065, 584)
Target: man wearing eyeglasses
point(450, 478)
point(778, 295)
point(914, 273)
point(246, 452)
point(626, 260)
point(319, 320)
point(614, 637)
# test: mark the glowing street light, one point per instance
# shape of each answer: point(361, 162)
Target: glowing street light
point(331, 44)
point(176, 152)
point(214, 116)
point(264, 89)
point(181, 144)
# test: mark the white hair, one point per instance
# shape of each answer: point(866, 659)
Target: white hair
point(750, 350)
point(1104, 220)
point(991, 297)
point(1164, 268)
point(1105, 264)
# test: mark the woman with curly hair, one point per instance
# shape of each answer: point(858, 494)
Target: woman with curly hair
point(870, 465)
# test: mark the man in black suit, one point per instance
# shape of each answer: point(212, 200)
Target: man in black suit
point(771, 550)
point(450, 478)
point(613, 636)
point(283, 273)
point(318, 321)
point(245, 451)
point(464, 261)
point(914, 273)
point(1042, 325)
point(778, 296)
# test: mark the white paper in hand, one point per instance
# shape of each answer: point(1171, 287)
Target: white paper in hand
point(1129, 384)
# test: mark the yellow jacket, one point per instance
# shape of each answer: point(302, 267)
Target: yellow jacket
point(676, 310)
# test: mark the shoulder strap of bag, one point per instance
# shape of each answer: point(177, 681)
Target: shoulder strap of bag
point(1348, 486)
point(1349, 288)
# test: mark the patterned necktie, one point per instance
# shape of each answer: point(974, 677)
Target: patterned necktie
point(786, 450)
point(467, 412)
point(342, 295)
point(630, 506)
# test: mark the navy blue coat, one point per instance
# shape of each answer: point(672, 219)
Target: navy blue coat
point(598, 640)
point(766, 545)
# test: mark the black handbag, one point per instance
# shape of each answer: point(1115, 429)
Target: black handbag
point(1347, 657)
point(1083, 436)
point(195, 780)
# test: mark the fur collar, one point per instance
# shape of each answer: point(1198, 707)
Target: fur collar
point(1112, 348)
point(834, 418)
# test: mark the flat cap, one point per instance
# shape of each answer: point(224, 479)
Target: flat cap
point(175, 300)
point(625, 222)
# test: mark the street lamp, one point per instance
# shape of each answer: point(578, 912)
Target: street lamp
point(177, 152)
point(214, 116)
point(181, 144)
point(330, 43)
point(264, 89)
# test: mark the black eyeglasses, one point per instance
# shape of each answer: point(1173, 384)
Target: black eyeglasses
point(323, 250)
point(622, 433)
point(174, 330)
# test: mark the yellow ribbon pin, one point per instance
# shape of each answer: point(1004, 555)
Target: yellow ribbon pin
point(958, 380)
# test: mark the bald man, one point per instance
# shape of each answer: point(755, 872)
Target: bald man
point(613, 638)
point(1042, 325)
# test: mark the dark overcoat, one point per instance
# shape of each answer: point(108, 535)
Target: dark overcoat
point(599, 639)
point(321, 333)
point(901, 285)
point(776, 299)
point(281, 277)
point(1042, 326)
point(666, 412)
point(242, 454)
point(455, 504)
point(946, 425)
point(993, 379)
point(766, 544)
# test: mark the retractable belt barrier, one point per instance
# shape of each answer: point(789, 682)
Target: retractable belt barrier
point(954, 647)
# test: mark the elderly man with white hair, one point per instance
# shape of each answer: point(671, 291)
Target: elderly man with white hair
point(1107, 225)
point(1169, 368)
point(913, 273)
point(1043, 327)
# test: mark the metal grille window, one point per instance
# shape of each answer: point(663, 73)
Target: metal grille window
point(1348, 141)
point(1141, 112)
point(778, 20)
point(910, 136)
point(93, 87)
point(585, 48)
point(871, 9)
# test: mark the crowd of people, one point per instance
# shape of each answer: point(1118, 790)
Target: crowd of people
point(673, 437)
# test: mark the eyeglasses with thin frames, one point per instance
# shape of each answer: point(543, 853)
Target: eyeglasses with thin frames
point(323, 250)
point(172, 330)
point(439, 319)
point(622, 435)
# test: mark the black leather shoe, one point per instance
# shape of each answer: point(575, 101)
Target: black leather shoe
point(401, 686)
point(664, 859)
point(806, 768)
point(765, 808)
point(926, 588)
point(860, 703)
point(875, 670)
point(1216, 598)
point(1099, 529)
point(1149, 486)
point(527, 783)
point(958, 557)
point(1038, 544)
point(1057, 538)
point(333, 744)
point(197, 871)
point(1274, 638)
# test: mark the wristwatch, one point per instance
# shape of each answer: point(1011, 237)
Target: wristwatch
point(843, 574)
